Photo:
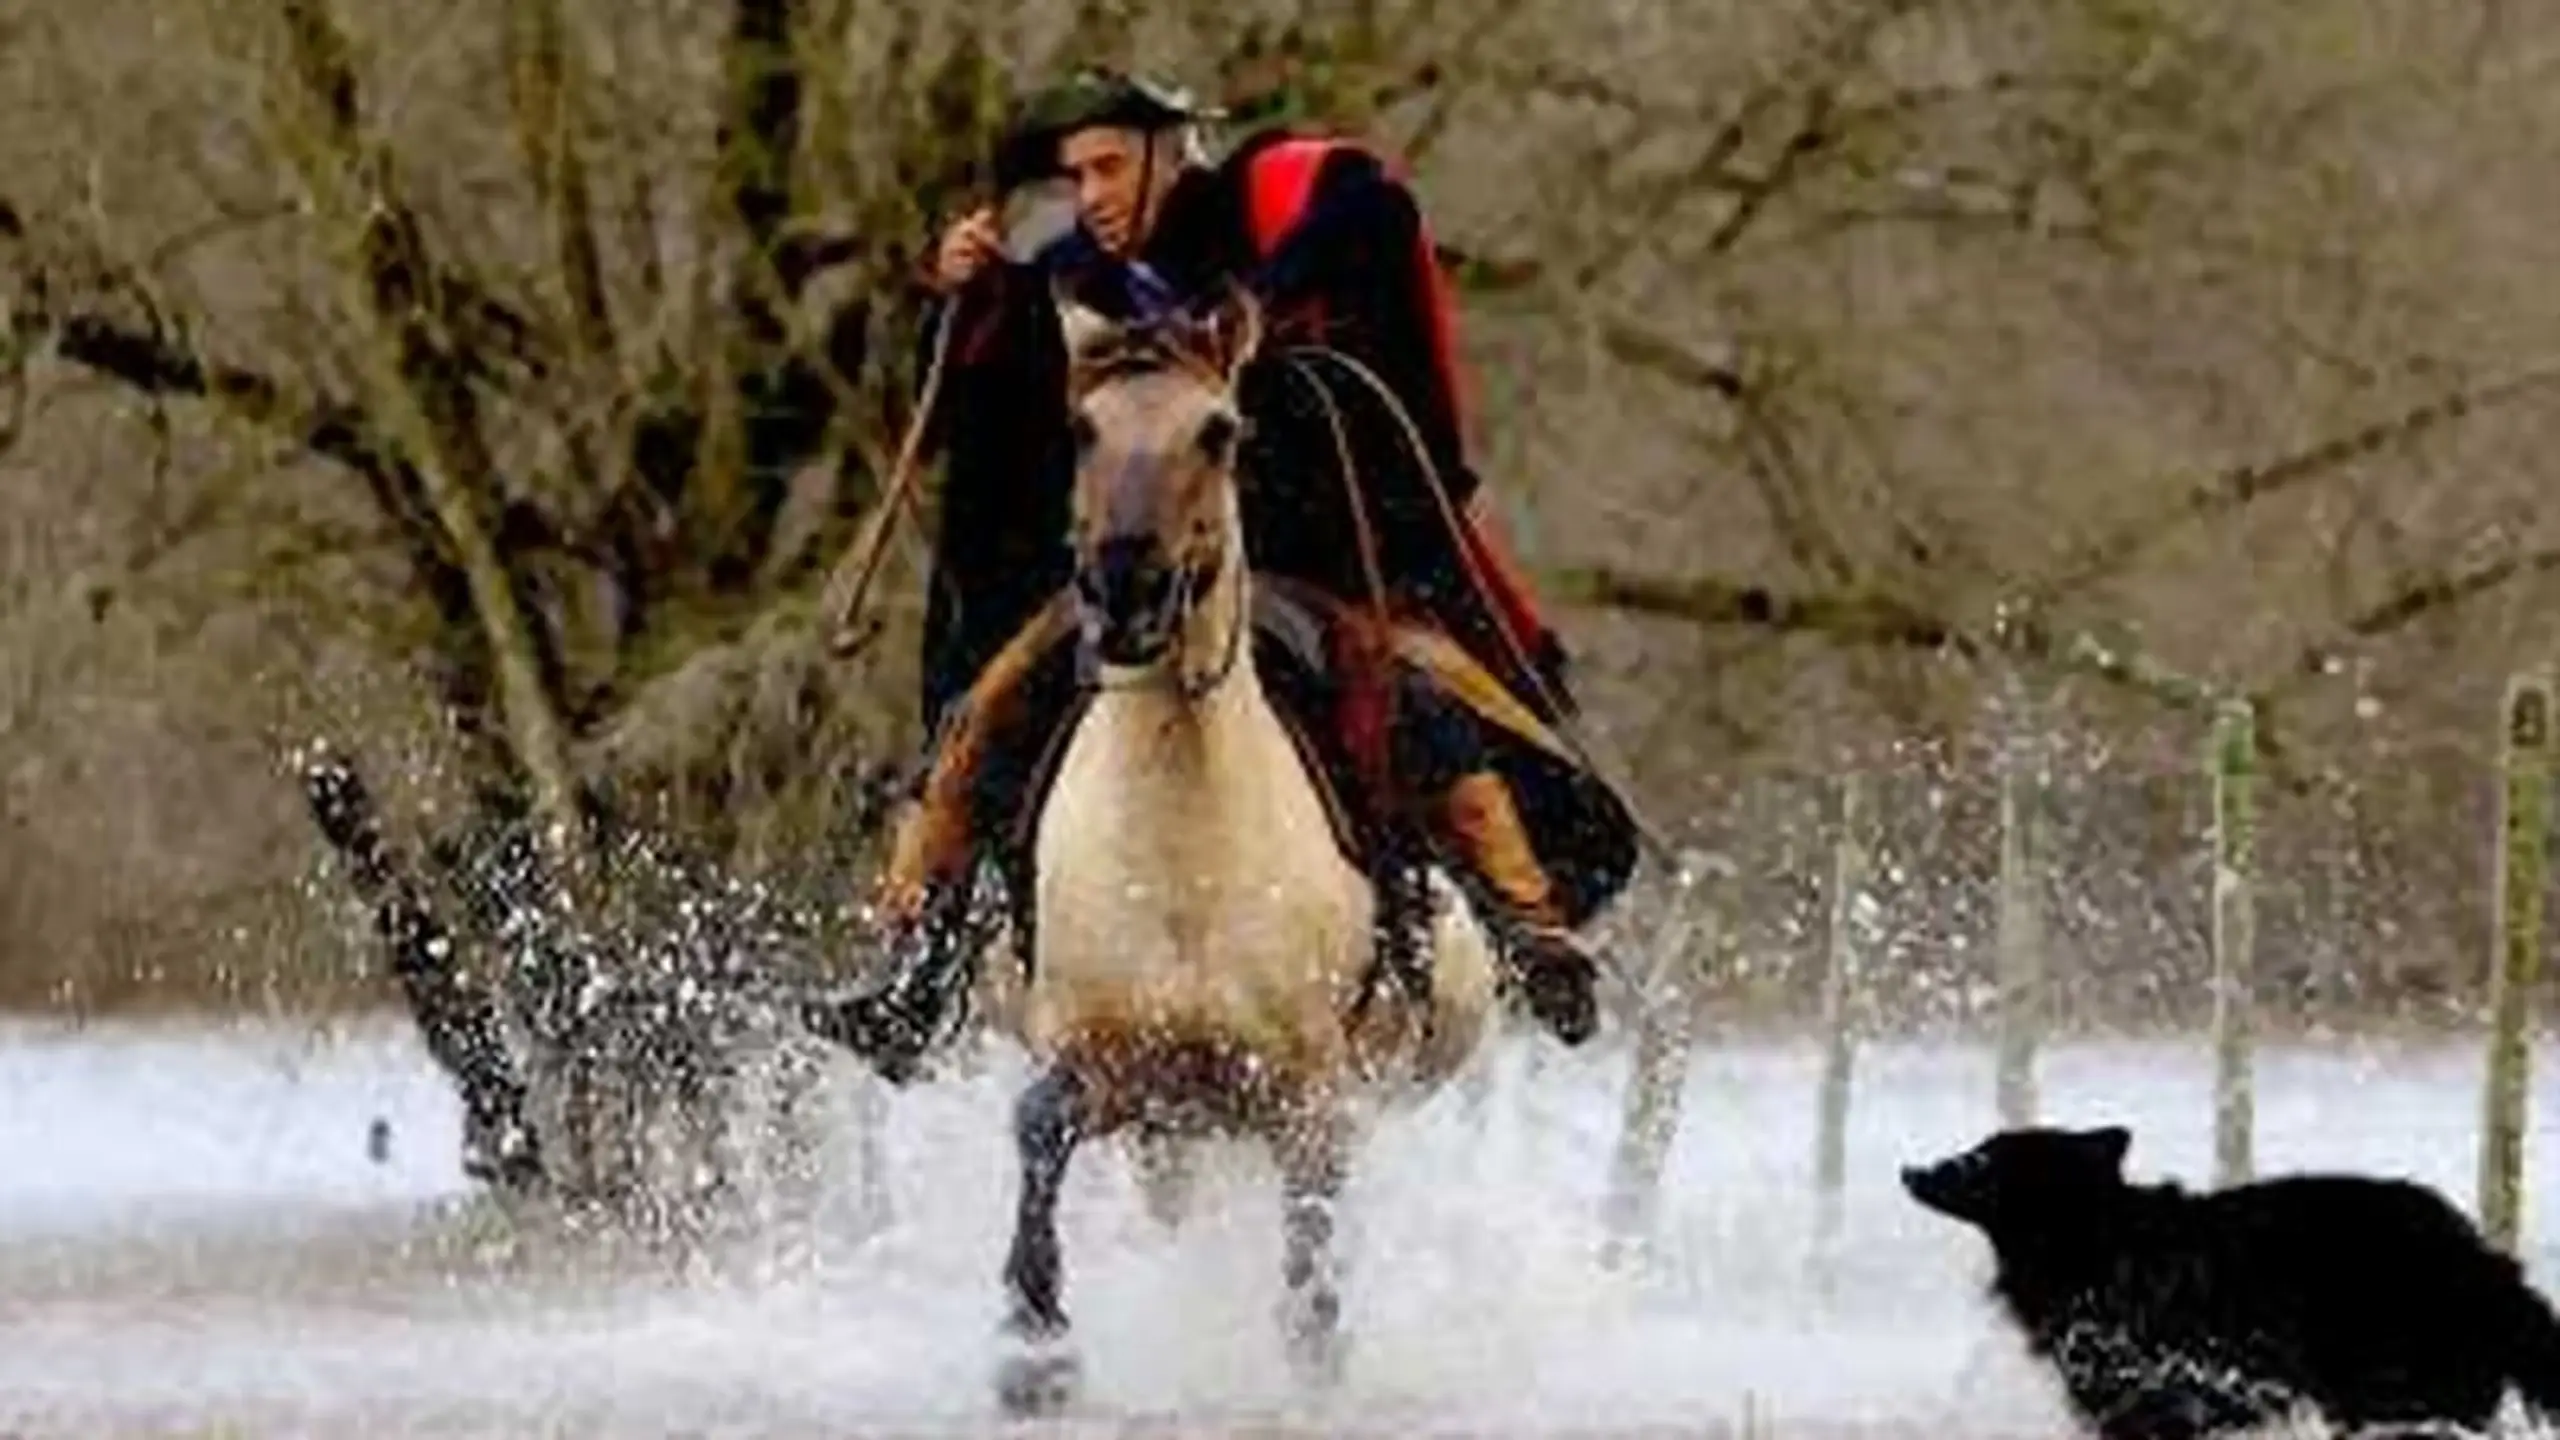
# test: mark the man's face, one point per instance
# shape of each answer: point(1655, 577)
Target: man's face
point(1117, 191)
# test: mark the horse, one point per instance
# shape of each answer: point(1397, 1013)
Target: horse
point(1200, 939)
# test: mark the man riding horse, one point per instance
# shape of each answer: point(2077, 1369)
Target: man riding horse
point(1401, 642)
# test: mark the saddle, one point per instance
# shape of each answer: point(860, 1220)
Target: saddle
point(1329, 675)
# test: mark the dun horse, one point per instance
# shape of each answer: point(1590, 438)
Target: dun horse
point(1199, 939)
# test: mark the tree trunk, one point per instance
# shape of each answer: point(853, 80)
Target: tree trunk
point(426, 405)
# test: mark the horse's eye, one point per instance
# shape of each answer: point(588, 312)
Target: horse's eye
point(1218, 437)
point(1080, 429)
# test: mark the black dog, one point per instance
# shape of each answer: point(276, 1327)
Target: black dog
point(2171, 1315)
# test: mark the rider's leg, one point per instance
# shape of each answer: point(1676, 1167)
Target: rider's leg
point(1471, 817)
point(1311, 651)
point(981, 760)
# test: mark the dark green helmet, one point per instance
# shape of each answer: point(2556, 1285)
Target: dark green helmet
point(1029, 149)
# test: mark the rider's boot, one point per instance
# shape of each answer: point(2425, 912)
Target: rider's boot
point(1479, 825)
point(932, 947)
point(935, 935)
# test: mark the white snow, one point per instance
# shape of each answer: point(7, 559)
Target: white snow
point(191, 1233)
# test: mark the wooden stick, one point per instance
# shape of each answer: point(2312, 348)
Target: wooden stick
point(1666, 1013)
point(1839, 976)
point(848, 586)
point(2234, 762)
point(2523, 865)
point(2021, 938)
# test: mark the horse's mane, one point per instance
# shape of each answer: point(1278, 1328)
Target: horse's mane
point(1150, 345)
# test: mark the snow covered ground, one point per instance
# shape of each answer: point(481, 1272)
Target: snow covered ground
point(194, 1239)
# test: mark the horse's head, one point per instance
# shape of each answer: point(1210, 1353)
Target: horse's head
point(1158, 533)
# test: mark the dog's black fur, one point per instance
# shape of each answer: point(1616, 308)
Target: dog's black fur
point(2170, 1314)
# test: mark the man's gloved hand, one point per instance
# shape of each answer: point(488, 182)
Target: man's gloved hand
point(966, 247)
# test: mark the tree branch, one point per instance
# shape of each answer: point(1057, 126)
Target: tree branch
point(767, 416)
point(1872, 620)
point(2238, 487)
point(155, 365)
point(425, 401)
point(546, 131)
point(1812, 135)
point(1448, 75)
point(1648, 349)
point(2425, 596)
point(80, 326)
point(1484, 274)
point(1770, 459)
point(1850, 619)
point(2443, 592)
point(1824, 65)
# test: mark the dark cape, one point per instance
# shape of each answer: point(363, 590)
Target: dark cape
point(1344, 279)
point(1348, 277)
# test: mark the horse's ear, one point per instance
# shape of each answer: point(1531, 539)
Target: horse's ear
point(1232, 330)
point(1080, 325)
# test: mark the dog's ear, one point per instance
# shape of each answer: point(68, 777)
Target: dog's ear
point(2110, 1143)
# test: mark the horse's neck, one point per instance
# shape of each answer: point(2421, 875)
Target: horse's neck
point(1221, 736)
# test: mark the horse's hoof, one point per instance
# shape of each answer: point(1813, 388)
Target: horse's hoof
point(1041, 1378)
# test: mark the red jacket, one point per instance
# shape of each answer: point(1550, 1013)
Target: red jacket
point(1279, 185)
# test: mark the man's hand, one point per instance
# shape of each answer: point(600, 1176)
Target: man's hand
point(967, 246)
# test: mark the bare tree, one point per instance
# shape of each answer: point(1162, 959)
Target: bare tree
point(535, 364)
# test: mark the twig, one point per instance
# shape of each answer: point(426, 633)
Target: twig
point(1850, 619)
point(422, 398)
point(1867, 619)
point(154, 365)
point(2428, 595)
point(2235, 488)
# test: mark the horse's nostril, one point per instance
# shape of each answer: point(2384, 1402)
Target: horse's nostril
point(1127, 581)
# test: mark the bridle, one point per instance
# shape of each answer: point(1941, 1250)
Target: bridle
point(1139, 350)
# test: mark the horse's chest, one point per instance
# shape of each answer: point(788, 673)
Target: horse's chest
point(1201, 845)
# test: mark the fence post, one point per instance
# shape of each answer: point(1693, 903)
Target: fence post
point(2234, 769)
point(1665, 1014)
point(2020, 916)
point(2523, 836)
point(1840, 968)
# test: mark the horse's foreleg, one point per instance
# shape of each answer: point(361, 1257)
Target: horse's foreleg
point(1048, 1121)
point(1313, 1156)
